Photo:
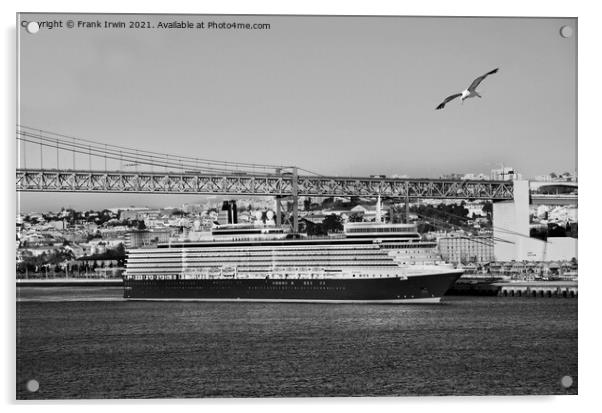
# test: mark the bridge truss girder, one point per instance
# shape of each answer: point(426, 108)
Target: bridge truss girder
point(264, 185)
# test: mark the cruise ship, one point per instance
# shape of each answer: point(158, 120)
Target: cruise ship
point(370, 262)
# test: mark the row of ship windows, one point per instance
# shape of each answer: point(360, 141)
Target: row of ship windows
point(354, 247)
point(274, 278)
point(279, 263)
point(315, 262)
point(258, 268)
point(251, 287)
point(394, 247)
point(257, 274)
point(379, 230)
point(266, 255)
point(425, 252)
point(414, 255)
point(267, 259)
point(469, 247)
point(414, 245)
point(232, 282)
point(379, 256)
point(383, 257)
point(372, 253)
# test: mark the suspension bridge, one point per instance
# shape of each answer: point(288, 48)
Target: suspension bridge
point(51, 162)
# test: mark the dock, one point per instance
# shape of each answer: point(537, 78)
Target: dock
point(565, 289)
point(497, 286)
point(70, 282)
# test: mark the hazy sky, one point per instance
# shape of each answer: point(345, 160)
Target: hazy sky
point(338, 95)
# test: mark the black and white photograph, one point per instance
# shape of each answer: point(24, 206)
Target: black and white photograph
point(295, 206)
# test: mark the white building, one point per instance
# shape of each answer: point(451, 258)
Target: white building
point(465, 249)
point(506, 173)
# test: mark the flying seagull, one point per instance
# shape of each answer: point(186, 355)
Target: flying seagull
point(468, 93)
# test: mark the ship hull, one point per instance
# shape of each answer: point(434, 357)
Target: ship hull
point(426, 288)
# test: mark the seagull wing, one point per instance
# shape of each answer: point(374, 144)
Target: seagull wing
point(447, 99)
point(479, 79)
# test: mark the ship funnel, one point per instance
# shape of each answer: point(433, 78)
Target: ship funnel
point(229, 213)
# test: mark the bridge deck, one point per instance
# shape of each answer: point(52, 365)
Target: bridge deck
point(39, 180)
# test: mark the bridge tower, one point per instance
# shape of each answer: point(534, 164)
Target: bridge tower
point(511, 224)
point(295, 199)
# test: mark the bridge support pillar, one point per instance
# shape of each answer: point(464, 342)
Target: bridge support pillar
point(407, 214)
point(295, 194)
point(278, 211)
point(278, 204)
point(511, 224)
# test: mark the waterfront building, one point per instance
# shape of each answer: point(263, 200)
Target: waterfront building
point(466, 248)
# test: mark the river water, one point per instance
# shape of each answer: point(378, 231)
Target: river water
point(89, 343)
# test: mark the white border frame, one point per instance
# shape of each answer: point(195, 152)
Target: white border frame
point(589, 91)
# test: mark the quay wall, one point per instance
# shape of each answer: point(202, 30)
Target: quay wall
point(565, 289)
point(70, 282)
